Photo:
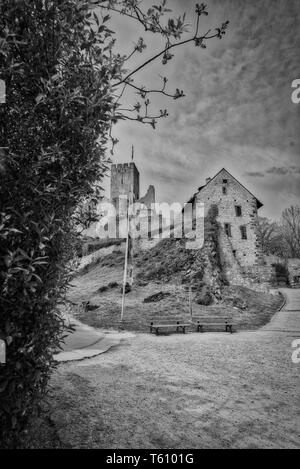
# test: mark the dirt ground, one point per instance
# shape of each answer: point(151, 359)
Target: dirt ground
point(212, 390)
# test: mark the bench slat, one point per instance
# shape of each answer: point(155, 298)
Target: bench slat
point(170, 323)
point(205, 322)
point(167, 322)
point(221, 318)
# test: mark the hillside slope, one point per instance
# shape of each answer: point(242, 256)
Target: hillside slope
point(165, 271)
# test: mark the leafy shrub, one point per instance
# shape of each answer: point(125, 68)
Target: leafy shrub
point(156, 297)
point(204, 299)
point(58, 104)
point(113, 285)
point(127, 288)
point(90, 307)
point(282, 273)
point(204, 296)
point(239, 302)
point(102, 289)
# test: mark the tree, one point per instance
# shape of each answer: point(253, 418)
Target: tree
point(65, 83)
point(267, 231)
point(281, 238)
point(291, 230)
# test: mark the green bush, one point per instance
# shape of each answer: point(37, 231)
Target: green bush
point(102, 289)
point(56, 118)
point(113, 284)
point(204, 297)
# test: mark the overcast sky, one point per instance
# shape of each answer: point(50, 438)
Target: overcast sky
point(237, 112)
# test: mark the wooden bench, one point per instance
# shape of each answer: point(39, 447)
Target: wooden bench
point(167, 322)
point(207, 322)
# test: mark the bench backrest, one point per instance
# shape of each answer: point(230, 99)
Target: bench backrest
point(169, 320)
point(203, 319)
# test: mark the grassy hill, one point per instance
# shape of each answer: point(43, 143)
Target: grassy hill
point(165, 271)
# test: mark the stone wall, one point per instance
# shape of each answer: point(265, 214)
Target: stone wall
point(124, 178)
point(271, 259)
point(149, 197)
point(263, 275)
point(293, 266)
point(257, 277)
point(92, 258)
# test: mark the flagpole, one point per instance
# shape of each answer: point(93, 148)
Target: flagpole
point(190, 301)
point(124, 277)
point(126, 258)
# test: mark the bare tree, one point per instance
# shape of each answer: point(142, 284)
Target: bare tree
point(291, 230)
point(272, 238)
point(266, 232)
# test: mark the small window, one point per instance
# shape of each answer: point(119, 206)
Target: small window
point(234, 253)
point(227, 227)
point(225, 181)
point(224, 190)
point(243, 232)
point(238, 210)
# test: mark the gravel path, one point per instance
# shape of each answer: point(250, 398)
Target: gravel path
point(211, 390)
point(288, 319)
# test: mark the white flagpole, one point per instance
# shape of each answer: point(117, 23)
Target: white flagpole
point(126, 259)
point(190, 301)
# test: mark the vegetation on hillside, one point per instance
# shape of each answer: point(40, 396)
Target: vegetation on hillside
point(200, 268)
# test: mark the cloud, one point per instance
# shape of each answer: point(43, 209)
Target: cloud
point(275, 170)
point(255, 174)
point(237, 112)
point(280, 171)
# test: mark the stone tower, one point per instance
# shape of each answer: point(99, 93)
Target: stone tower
point(124, 178)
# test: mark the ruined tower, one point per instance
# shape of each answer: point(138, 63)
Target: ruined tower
point(124, 179)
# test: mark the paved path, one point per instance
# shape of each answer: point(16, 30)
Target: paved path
point(288, 319)
point(87, 342)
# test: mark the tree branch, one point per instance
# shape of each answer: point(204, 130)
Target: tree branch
point(164, 51)
point(145, 91)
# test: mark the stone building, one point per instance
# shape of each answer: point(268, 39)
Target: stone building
point(240, 250)
point(237, 215)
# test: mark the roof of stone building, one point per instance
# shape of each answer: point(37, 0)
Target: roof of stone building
point(259, 204)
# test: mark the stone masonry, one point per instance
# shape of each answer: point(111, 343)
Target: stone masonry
point(293, 266)
point(237, 215)
point(125, 178)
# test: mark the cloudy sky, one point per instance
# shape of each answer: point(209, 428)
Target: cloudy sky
point(237, 112)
